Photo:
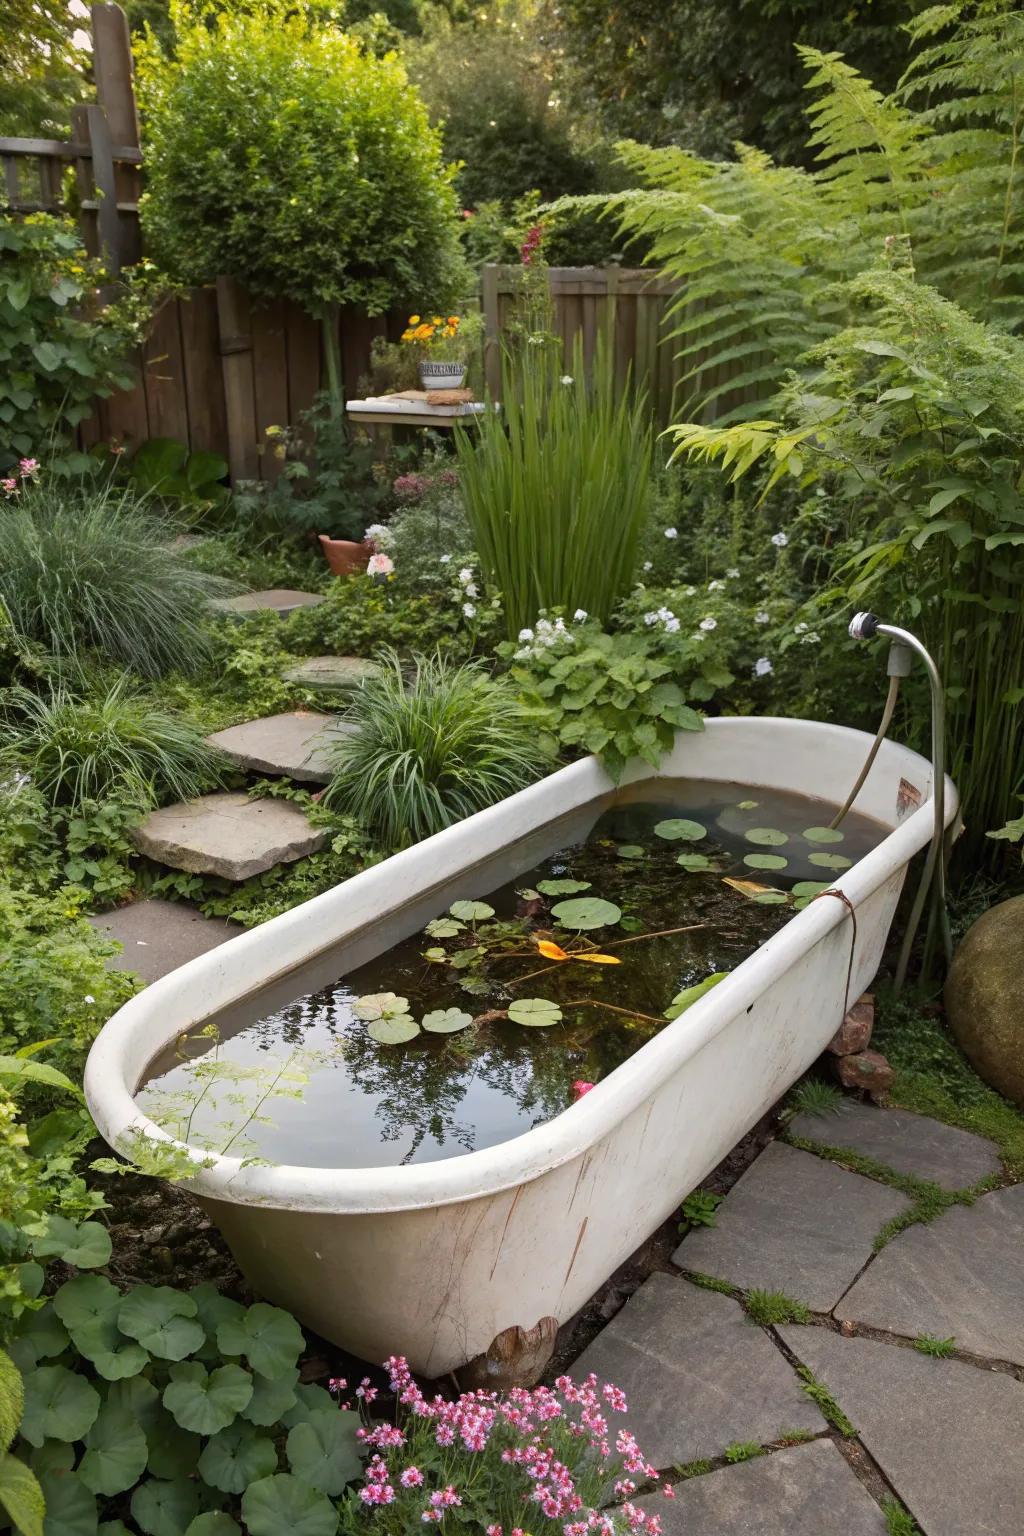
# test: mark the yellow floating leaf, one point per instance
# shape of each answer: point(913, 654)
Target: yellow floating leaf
point(551, 951)
point(746, 887)
point(597, 959)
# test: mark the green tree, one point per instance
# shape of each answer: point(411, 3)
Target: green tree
point(282, 154)
point(41, 67)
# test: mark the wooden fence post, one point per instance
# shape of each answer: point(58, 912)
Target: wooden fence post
point(115, 93)
point(239, 387)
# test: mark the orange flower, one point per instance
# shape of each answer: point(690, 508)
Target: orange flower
point(453, 320)
point(414, 319)
point(552, 951)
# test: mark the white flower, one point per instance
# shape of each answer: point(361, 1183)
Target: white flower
point(567, 378)
point(560, 626)
point(648, 565)
point(761, 617)
point(580, 616)
point(780, 539)
point(380, 535)
point(732, 573)
point(689, 591)
point(671, 625)
point(671, 533)
point(89, 998)
point(522, 654)
point(812, 639)
point(379, 565)
point(709, 623)
point(664, 613)
point(716, 586)
point(445, 559)
point(650, 618)
point(801, 629)
point(525, 634)
point(466, 575)
point(469, 610)
point(470, 589)
point(763, 667)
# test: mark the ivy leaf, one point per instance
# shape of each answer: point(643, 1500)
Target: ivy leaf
point(445, 1021)
point(586, 912)
point(679, 829)
point(270, 1339)
point(280, 1504)
point(322, 1451)
point(86, 1246)
point(471, 911)
point(272, 1396)
point(537, 1012)
point(21, 1497)
point(161, 1319)
point(59, 1405)
point(165, 1507)
point(205, 1403)
point(562, 887)
point(115, 1454)
point(237, 1456)
point(70, 1507)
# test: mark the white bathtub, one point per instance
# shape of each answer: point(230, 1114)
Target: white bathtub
point(434, 1260)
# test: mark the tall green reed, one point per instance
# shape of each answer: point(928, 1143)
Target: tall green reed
point(557, 483)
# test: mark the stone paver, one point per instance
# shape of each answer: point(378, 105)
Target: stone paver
point(961, 1275)
point(297, 745)
point(228, 835)
point(806, 1490)
point(947, 1435)
point(158, 936)
point(697, 1375)
point(793, 1223)
point(281, 600)
point(332, 674)
point(914, 1144)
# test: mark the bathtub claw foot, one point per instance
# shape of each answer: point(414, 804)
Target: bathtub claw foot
point(516, 1357)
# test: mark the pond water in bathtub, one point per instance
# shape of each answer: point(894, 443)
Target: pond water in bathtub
point(485, 1023)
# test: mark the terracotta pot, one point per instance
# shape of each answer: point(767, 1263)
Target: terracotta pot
point(344, 556)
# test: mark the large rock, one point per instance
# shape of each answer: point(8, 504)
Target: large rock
point(227, 835)
point(984, 995)
point(298, 745)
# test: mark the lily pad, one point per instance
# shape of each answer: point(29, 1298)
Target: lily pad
point(323, 1451)
point(747, 805)
point(471, 911)
point(435, 954)
point(829, 860)
point(766, 837)
point(206, 1404)
point(162, 1320)
point(281, 1503)
point(765, 860)
point(398, 1029)
point(693, 861)
point(690, 995)
point(679, 830)
point(771, 898)
point(443, 928)
point(810, 887)
point(562, 887)
point(823, 835)
point(630, 851)
point(537, 1012)
point(380, 1005)
point(586, 912)
point(446, 1021)
point(528, 893)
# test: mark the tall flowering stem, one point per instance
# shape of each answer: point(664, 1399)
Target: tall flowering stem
point(525, 1464)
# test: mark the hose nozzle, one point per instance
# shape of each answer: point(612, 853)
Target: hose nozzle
point(864, 626)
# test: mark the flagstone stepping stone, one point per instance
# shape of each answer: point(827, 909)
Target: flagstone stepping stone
point(697, 1375)
point(280, 600)
point(960, 1276)
point(332, 674)
point(297, 746)
point(947, 1435)
point(228, 835)
point(915, 1144)
point(158, 936)
point(806, 1490)
point(793, 1223)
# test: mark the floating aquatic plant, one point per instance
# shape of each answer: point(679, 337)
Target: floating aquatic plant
point(679, 829)
point(587, 912)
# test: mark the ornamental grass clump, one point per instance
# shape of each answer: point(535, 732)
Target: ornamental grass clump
point(428, 750)
point(557, 484)
point(95, 571)
point(76, 750)
point(548, 1460)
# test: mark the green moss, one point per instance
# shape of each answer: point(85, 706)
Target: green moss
point(941, 1349)
point(710, 1283)
point(694, 1469)
point(742, 1450)
point(820, 1395)
point(899, 1521)
point(769, 1308)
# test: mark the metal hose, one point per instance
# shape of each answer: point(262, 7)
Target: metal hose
point(880, 734)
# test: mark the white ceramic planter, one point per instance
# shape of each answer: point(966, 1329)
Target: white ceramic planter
point(434, 1260)
point(442, 375)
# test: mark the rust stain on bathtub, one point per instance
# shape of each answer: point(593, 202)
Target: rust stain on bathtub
point(575, 1251)
point(504, 1230)
point(584, 1165)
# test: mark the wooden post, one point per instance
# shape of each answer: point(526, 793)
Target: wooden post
point(115, 93)
point(104, 187)
point(239, 388)
point(489, 276)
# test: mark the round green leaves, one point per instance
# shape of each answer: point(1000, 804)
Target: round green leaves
point(562, 887)
point(679, 830)
point(695, 862)
point(446, 1021)
point(823, 835)
point(766, 837)
point(471, 911)
point(206, 1403)
point(829, 860)
point(236, 1457)
point(536, 1012)
point(397, 1030)
point(586, 912)
point(279, 1504)
point(116, 1453)
point(765, 860)
point(162, 1320)
point(270, 1339)
point(629, 851)
point(59, 1405)
point(388, 1016)
point(323, 1453)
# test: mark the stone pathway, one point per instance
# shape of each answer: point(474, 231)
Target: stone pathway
point(332, 674)
point(158, 936)
point(280, 600)
point(227, 835)
point(725, 1401)
point(295, 746)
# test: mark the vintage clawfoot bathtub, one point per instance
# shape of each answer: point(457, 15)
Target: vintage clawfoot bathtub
point(434, 1260)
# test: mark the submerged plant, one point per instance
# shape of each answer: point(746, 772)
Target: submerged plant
point(92, 571)
point(75, 750)
point(428, 750)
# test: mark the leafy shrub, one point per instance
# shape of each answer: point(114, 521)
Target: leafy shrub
point(95, 571)
point(164, 469)
point(87, 749)
point(58, 349)
point(595, 692)
point(360, 615)
point(431, 749)
point(280, 154)
point(429, 533)
point(556, 487)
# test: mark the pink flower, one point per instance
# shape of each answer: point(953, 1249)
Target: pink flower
point(337, 1384)
point(412, 1477)
point(29, 467)
point(380, 565)
point(579, 1088)
point(9, 487)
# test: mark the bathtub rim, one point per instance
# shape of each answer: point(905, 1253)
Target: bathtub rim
point(387, 1188)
